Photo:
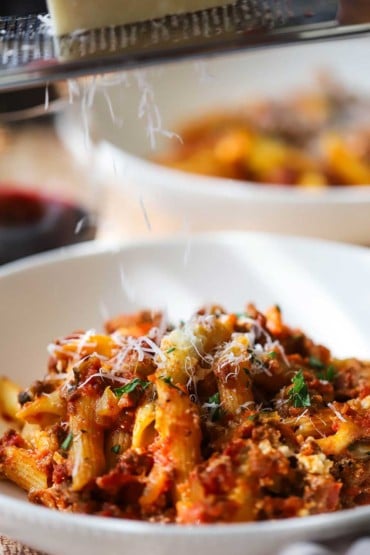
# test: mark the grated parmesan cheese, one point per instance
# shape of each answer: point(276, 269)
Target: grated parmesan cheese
point(315, 464)
point(336, 412)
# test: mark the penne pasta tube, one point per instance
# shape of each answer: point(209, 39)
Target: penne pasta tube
point(107, 408)
point(117, 442)
point(233, 376)
point(178, 426)
point(87, 452)
point(143, 432)
point(44, 410)
point(9, 404)
point(44, 441)
point(335, 444)
point(20, 466)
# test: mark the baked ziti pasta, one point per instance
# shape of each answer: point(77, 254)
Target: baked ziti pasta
point(225, 418)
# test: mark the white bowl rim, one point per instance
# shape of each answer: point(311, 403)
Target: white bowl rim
point(104, 246)
point(177, 181)
point(24, 510)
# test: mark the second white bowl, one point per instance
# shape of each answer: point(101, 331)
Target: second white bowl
point(133, 119)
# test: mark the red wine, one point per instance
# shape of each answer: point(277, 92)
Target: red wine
point(31, 222)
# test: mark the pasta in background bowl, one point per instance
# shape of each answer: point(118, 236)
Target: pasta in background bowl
point(82, 287)
point(318, 138)
point(134, 119)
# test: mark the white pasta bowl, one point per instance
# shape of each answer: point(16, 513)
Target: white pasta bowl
point(131, 115)
point(321, 286)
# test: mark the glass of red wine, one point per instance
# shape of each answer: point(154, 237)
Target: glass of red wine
point(33, 222)
point(43, 205)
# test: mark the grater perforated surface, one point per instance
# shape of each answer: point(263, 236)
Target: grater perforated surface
point(29, 54)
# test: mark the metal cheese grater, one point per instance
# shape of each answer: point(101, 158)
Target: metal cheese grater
point(30, 54)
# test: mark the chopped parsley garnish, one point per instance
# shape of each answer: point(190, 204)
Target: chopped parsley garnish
point(299, 394)
point(168, 381)
point(325, 373)
point(214, 399)
point(67, 442)
point(216, 414)
point(214, 404)
point(116, 449)
point(272, 354)
point(329, 374)
point(171, 350)
point(252, 417)
point(130, 387)
point(316, 363)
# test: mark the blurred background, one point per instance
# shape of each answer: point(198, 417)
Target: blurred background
point(271, 140)
point(22, 7)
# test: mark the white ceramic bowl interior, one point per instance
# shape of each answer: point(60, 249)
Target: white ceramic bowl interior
point(320, 286)
point(134, 115)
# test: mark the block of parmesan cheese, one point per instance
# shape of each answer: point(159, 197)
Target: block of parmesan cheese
point(72, 15)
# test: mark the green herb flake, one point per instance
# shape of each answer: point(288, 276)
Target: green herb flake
point(272, 355)
point(216, 411)
point(168, 381)
point(130, 387)
point(171, 350)
point(299, 394)
point(328, 375)
point(116, 449)
point(331, 373)
point(217, 414)
point(241, 315)
point(67, 442)
point(316, 363)
point(215, 399)
point(252, 417)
